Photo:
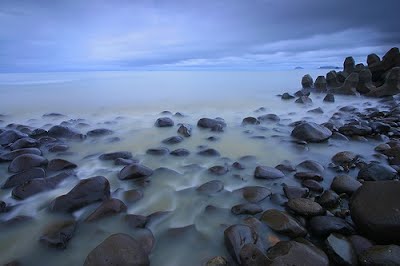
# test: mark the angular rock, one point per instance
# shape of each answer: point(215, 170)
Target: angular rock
point(185, 130)
point(329, 97)
point(340, 250)
point(349, 87)
point(235, 237)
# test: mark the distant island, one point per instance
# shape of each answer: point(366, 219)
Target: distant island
point(298, 67)
point(329, 67)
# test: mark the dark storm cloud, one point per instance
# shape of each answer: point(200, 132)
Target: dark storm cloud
point(145, 34)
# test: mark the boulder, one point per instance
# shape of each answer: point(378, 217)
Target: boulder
point(283, 223)
point(311, 132)
point(349, 87)
point(287, 96)
point(24, 143)
point(304, 100)
point(365, 84)
point(246, 208)
point(99, 132)
point(236, 236)
point(10, 136)
point(323, 226)
point(331, 79)
point(305, 207)
point(320, 84)
point(211, 123)
point(9, 156)
point(185, 130)
point(25, 162)
point(340, 250)
point(269, 173)
point(345, 184)
point(58, 234)
point(250, 121)
point(329, 97)
point(164, 122)
point(377, 172)
point(115, 155)
point(254, 194)
point(107, 208)
point(60, 164)
point(24, 176)
point(64, 132)
point(381, 255)
point(180, 152)
point(307, 81)
point(349, 65)
point(328, 199)
point(173, 140)
point(134, 171)
point(218, 170)
point(390, 87)
point(292, 192)
point(211, 187)
point(158, 151)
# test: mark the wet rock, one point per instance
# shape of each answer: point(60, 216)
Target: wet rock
point(209, 152)
point(164, 122)
point(373, 59)
point(269, 173)
point(304, 100)
point(312, 185)
point(24, 176)
point(252, 255)
point(118, 249)
point(316, 111)
point(10, 136)
point(107, 208)
point(311, 132)
point(287, 96)
point(59, 148)
point(64, 132)
point(250, 121)
point(9, 156)
point(254, 194)
point(211, 123)
point(340, 250)
point(345, 184)
point(25, 162)
point(218, 170)
point(344, 158)
point(185, 130)
point(305, 207)
point(158, 151)
point(377, 172)
point(355, 130)
point(332, 80)
point(286, 166)
point(328, 199)
point(180, 152)
point(325, 225)
point(381, 255)
point(390, 87)
point(60, 164)
point(211, 187)
point(238, 166)
point(87, 191)
point(320, 84)
point(133, 195)
point(283, 223)
point(365, 84)
point(307, 81)
point(329, 97)
point(302, 92)
point(217, 261)
point(135, 221)
point(359, 243)
point(293, 252)
point(292, 192)
point(99, 132)
point(308, 175)
point(24, 143)
point(121, 161)
point(311, 165)
point(58, 234)
point(235, 237)
point(246, 208)
point(31, 187)
point(134, 171)
point(349, 87)
point(115, 155)
point(349, 65)
point(374, 210)
point(173, 140)
point(269, 117)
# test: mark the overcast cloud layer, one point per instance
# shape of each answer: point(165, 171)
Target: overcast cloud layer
point(55, 35)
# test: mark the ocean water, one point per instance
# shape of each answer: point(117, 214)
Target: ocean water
point(128, 103)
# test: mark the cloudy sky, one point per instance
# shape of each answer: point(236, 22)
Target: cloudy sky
point(56, 35)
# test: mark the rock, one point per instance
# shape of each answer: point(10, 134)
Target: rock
point(390, 87)
point(331, 79)
point(164, 122)
point(365, 84)
point(292, 192)
point(307, 81)
point(115, 155)
point(211, 187)
point(316, 111)
point(10, 136)
point(172, 140)
point(360, 244)
point(60, 164)
point(311, 165)
point(87, 191)
point(185, 130)
point(24, 176)
point(252, 255)
point(345, 184)
point(218, 170)
point(209, 152)
point(121, 161)
point(217, 261)
point(349, 65)
point(133, 195)
point(375, 210)
point(99, 132)
point(134, 171)
point(136, 221)
point(24, 143)
point(254, 194)
point(246, 208)
point(58, 234)
point(210, 123)
point(311, 132)
point(320, 84)
point(304, 100)
point(64, 132)
point(269, 117)
point(107, 208)
point(250, 121)
point(283, 223)
point(287, 96)
point(235, 237)
point(118, 249)
point(381, 255)
point(390, 60)
point(328, 199)
point(377, 172)
point(330, 98)
point(344, 158)
point(158, 151)
point(269, 173)
point(349, 87)
point(286, 166)
point(373, 59)
point(31, 187)
point(339, 249)
point(308, 175)
point(323, 226)
point(59, 148)
point(355, 130)
point(180, 152)
point(25, 162)
point(312, 185)
point(302, 92)
point(9, 156)
point(305, 207)
point(295, 251)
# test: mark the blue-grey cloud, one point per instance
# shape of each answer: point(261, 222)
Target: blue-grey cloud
point(51, 35)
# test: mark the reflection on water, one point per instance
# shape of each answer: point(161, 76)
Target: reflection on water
point(129, 104)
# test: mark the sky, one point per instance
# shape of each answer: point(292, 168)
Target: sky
point(79, 35)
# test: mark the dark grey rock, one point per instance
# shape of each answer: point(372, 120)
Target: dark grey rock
point(269, 173)
point(164, 122)
point(25, 162)
point(283, 223)
point(311, 132)
point(134, 171)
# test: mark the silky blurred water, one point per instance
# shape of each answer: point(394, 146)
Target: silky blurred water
point(129, 103)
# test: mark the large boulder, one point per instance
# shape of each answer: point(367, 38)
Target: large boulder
point(58, 234)
point(311, 132)
point(320, 84)
point(118, 249)
point(390, 60)
point(375, 210)
point(390, 87)
point(373, 59)
point(64, 132)
point(87, 191)
point(365, 84)
point(349, 65)
point(331, 79)
point(307, 81)
point(377, 172)
point(25, 162)
point(349, 87)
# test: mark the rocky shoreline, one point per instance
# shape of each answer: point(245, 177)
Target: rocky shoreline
point(353, 218)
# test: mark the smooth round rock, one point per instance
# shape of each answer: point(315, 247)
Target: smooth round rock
point(58, 234)
point(164, 122)
point(269, 173)
point(305, 207)
point(311, 132)
point(107, 208)
point(283, 223)
point(325, 225)
point(134, 171)
point(25, 162)
point(377, 172)
point(381, 255)
point(345, 184)
point(60, 164)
